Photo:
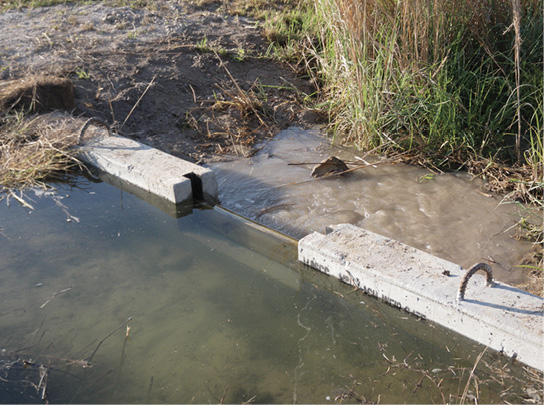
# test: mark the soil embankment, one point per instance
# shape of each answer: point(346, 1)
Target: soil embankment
point(183, 79)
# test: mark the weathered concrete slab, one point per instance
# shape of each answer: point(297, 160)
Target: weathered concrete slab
point(507, 319)
point(159, 173)
point(175, 210)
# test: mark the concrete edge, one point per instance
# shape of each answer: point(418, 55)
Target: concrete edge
point(150, 169)
point(502, 317)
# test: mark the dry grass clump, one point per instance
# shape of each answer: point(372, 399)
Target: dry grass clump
point(36, 149)
point(225, 123)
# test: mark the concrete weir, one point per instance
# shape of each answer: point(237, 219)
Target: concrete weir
point(149, 169)
point(507, 319)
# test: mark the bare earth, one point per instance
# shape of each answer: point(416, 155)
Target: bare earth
point(186, 80)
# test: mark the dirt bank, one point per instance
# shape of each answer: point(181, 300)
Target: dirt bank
point(187, 80)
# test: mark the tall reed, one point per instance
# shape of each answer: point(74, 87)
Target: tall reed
point(451, 80)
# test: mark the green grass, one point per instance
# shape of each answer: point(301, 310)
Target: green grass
point(450, 82)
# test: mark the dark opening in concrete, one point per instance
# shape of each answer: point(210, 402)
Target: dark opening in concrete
point(196, 186)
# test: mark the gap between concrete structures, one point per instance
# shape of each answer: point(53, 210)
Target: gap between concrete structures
point(505, 318)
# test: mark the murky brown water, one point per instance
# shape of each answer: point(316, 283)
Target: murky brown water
point(446, 215)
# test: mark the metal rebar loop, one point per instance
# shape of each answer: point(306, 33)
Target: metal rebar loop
point(479, 266)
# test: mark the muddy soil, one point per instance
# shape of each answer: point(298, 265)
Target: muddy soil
point(187, 80)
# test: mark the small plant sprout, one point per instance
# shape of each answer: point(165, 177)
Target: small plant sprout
point(82, 74)
point(202, 45)
point(426, 177)
point(241, 55)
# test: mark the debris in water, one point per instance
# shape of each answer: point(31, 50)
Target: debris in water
point(329, 166)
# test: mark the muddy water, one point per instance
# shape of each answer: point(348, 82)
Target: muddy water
point(446, 215)
point(220, 313)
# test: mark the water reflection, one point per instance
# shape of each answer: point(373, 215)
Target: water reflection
point(221, 312)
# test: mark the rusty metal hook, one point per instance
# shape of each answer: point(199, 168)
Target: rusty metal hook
point(479, 266)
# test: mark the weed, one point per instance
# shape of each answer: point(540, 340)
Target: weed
point(72, 20)
point(202, 45)
point(82, 74)
point(240, 55)
point(426, 177)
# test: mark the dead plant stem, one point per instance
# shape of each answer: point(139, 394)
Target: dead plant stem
point(102, 341)
point(55, 294)
point(243, 95)
point(465, 391)
point(137, 102)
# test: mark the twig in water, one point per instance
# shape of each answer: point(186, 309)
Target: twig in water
point(318, 163)
point(419, 385)
point(437, 386)
point(149, 389)
point(42, 384)
point(127, 337)
point(465, 391)
point(224, 395)
point(69, 362)
point(44, 372)
point(21, 200)
point(54, 295)
point(102, 341)
point(250, 400)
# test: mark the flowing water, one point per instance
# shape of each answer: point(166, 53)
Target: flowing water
point(446, 215)
point(219, 309)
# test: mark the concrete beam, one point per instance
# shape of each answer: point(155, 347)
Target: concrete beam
point(159, 173)
point(507, 319)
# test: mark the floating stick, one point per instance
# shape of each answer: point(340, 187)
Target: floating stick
point(102, 341)
point(54, 295)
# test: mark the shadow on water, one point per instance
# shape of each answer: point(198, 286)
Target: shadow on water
point(220, 311)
